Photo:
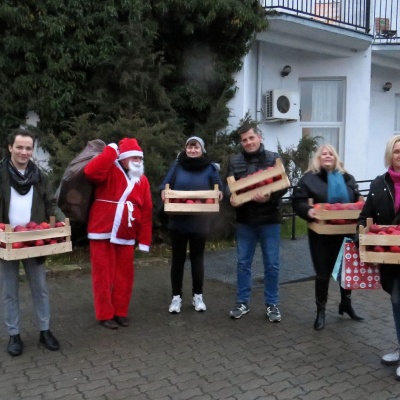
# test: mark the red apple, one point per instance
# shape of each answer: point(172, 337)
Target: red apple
point(395, 249)
point(382, 233)
point(189, 201)
point(197, 201)
point(209, 201)
point(53, 241)
point(39, 242)
point(390, 229)
point(45, 225)
point(59, 224)
point(17, 245)
point(379, 249)
point(20, 228)
point(2, 226)
point(31, 224)
point(395, 232)
point(374, 228)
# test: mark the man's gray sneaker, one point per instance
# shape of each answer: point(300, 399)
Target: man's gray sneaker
point(391, 358)
point(273, 313)
point(239, 310)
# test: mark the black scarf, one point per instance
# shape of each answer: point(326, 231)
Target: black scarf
point(22, 183)
point(191, 164)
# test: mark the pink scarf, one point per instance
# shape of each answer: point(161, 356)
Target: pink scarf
point(396, 180)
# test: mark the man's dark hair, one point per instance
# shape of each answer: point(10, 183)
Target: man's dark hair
point(247, 126)
point(20, 132)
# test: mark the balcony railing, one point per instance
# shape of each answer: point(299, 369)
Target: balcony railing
point(385, 27)
point(379, 18)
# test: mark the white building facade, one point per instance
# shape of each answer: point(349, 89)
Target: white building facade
point(329, 69)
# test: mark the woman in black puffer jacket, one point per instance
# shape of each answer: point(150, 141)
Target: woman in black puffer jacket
point(325, 182)
point(383, 206)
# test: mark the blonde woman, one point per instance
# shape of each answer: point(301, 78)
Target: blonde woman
point(383, 206)
point(325, 182)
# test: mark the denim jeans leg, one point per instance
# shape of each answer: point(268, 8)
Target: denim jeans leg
point(246, 242)
point(269, 236)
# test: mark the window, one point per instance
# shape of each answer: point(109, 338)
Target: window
point(322, 111)
point(397, 115)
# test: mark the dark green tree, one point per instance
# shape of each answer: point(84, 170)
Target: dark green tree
point(159, 70)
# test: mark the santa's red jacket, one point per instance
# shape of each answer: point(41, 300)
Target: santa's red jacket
point(122, 208)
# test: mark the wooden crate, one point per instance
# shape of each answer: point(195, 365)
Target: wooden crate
point(324, 216)
point(172, 208)
point(236, 186)
point(8, 238)
point(377, 240)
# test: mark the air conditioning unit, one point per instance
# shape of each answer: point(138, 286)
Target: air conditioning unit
point(282, 105)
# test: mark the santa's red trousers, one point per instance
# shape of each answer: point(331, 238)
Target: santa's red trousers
point(112, 278)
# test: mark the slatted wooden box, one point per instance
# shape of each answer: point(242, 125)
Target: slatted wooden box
point(172, 208)
point(324, 216)
point(277, 172)
point(8, 237)
point(367, 240)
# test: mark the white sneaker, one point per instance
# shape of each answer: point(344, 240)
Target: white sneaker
point(398, 373)
point(391, 359)
point(198, 302)
point(176, 304)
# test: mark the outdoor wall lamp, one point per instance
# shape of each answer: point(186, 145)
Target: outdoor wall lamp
point(286, 70)
point(387, 86)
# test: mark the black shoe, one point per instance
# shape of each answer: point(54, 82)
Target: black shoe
point(15, 345)
point(348, 309)
point(123, 321)
point(48, 340)
point(109, 324)
point(320, 320)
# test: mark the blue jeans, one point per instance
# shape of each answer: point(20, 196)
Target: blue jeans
point(247, 237)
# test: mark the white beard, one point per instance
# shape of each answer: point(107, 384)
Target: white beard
point(135, 170)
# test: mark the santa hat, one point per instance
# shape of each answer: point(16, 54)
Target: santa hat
point(129, 148)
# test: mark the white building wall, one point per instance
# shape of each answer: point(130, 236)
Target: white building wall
point(356, 70)
point(382, 117)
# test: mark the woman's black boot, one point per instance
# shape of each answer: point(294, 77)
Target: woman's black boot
point(320, 320)
point(345, 305)
point(321, 297)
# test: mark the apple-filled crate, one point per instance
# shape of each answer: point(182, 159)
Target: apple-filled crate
point(265, 182)
point(337, 218)
point(35, 240)
point(379, 244)
point(191, 202)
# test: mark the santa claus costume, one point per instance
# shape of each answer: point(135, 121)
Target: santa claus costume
point(121, 215)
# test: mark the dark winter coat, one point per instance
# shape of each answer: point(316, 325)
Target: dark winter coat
point(380, 207)
point(196, 179)
point(253, 213)
point(44, 203)
point(315, 186)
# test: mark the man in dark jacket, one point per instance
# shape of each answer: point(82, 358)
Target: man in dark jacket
point(257, 221)
point(25, 195)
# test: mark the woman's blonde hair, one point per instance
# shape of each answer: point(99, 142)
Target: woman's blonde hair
point(315, 164)
point(389, 150)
